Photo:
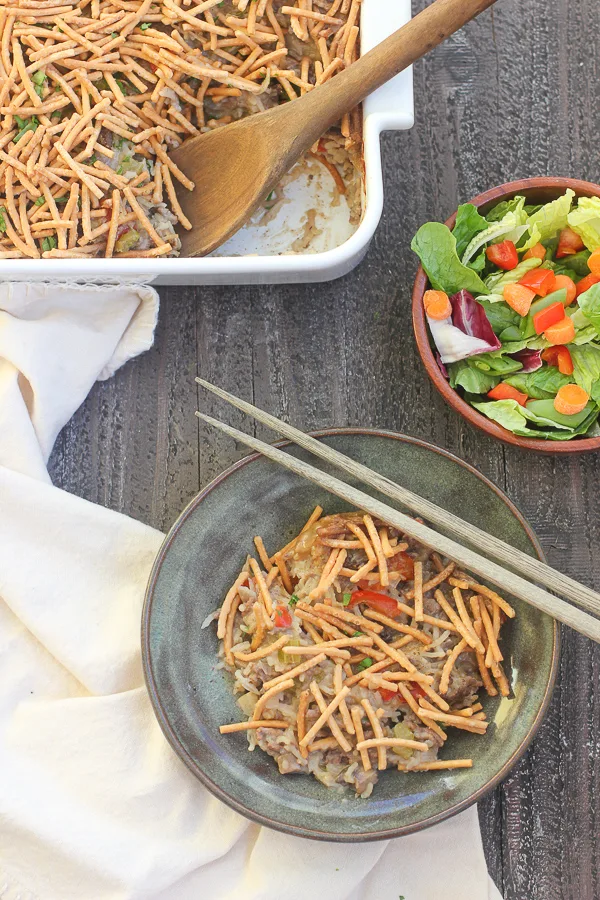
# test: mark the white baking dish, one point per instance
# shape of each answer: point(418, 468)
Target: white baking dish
point(390, 108)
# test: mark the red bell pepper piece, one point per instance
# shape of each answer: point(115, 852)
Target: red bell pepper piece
point(541, 281)
point(379, 602)
point(282, 617)
point(503, 255)
point(386, 695)
point(416, 690)
point(545, 318)
point(561, 358)
point(569, 243)
point(586, 283)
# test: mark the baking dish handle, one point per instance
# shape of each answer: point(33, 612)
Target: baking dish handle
point(391, 106)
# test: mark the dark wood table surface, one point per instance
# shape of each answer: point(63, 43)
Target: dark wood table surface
point(515, 94)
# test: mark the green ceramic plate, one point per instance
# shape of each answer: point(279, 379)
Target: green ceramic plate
point(197, 564)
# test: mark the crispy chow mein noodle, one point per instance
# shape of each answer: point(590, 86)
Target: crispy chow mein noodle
point(341, 677)
point(95, 93)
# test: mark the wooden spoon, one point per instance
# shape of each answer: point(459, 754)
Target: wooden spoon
point(234, 168)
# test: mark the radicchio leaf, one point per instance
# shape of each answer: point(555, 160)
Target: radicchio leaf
point(469, 316)
point(443, 368)
point(531, 360)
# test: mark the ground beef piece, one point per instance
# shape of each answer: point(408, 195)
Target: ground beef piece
point(464, 681)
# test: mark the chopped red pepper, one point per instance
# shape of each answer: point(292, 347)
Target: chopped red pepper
point(569, 243)
point(542, 281)
point(545, 318)
point(416, 690)
point(561, 358)
point(282, 618)
point(379, 602)
point(386, 695)
point(586, 283)
point(503, 255)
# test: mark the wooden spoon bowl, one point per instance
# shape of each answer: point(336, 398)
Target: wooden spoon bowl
point(236, 167)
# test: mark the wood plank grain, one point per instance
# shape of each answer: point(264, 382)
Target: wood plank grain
point(512, 95)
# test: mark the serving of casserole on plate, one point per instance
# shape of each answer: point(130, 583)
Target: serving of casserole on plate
point(195, 691)
point(95, 94)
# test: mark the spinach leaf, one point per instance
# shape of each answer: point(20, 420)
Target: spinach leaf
point(468, 224)
point(435, 245)
point(500, 316)
point(573, 266)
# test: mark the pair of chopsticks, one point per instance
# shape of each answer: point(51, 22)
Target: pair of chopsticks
point(522, 580)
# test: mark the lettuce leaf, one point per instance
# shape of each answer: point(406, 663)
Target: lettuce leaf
point(509, 414)
point(471, 380)
point(589, 304)
point(586, 373)
point(516, 418)
point(468, 224)
point(585, 332)
point(585, 221)
point(435, 245)
point(542, 384)
point(497, 213)
point(552, 217)
point(512, 227)
point(499, 280)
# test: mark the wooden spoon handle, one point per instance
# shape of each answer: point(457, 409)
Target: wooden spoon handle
point(428, 29)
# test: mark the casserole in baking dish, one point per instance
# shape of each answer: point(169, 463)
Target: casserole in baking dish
point(309, 230)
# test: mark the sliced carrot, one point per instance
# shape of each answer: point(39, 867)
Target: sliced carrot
point(594, 263)
point(437, 305)
point(537, 252)
point(518, 298)
point(561, 333)
point(570, 400)
point(563, 281)
point(505, 391)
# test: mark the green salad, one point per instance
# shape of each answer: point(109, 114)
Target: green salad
point(514, 312)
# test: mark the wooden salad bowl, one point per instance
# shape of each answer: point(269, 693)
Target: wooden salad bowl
point(537, 190)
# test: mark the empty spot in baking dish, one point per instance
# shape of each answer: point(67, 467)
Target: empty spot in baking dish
point(306, 214)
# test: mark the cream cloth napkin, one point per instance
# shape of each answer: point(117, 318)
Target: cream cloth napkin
point(94, 805)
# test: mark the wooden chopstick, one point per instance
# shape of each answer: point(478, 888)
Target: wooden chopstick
point(515, 559)
point(503, 578)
